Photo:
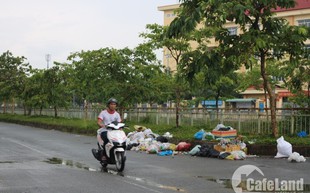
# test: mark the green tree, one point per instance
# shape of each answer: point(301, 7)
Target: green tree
point(207, 71)
point(264, 39)
point(34, 95)
point(127, 74)
point(156, 37)
point(55, 86)
point(13, 73)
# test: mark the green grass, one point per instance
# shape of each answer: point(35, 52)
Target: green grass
point(89, 127)
point(64, 124)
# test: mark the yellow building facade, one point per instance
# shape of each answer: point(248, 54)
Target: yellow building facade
point(300, 15)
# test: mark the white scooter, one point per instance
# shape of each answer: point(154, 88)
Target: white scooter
point(116, 146)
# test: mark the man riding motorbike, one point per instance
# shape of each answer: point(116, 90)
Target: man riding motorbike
point(105, 117)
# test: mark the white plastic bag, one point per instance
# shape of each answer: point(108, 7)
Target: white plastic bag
point(168, 135)
point(220, 125)
point(238, 155)
point(284, 148)
point(296, 157)
point(195, 150)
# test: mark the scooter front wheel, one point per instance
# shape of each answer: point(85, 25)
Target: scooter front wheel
point(120, 161)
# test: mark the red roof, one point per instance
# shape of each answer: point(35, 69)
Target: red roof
point(300, 4)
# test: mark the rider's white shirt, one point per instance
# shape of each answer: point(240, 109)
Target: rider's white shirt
point(107, 118)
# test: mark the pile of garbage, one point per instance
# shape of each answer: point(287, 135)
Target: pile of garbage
point(143, 139)
point(220, 131)
point(229, 145)
point(231, 148)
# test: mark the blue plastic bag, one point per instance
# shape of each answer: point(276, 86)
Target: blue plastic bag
point(302, 134)
point(200, 134)
point(167, 152)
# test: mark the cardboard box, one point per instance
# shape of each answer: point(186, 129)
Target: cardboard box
point(225, 134)
point(228, 148)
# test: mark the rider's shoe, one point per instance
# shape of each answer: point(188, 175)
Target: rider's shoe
point(104, 159)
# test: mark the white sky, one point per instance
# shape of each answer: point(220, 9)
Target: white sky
point(34, 28)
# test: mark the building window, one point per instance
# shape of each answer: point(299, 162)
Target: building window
point(307, 51)
point(285, 99)
point(232, 31)
point(304, 22)
point(278, 78)
point(170, 15)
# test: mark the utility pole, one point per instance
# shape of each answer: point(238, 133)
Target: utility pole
point(47, 58)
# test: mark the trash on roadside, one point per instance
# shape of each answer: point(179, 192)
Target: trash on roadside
point(228, 145)
point(296, 157)
point(208, 151)
point(149, 133)
point(238, 155)
point(183, 146)
point(165, 153)
point(208, 136)
point(139, 128)
point(195, 150)
point(168, 135)
point(302, 134)
point(143, 139)
point(164, 146)
point(162, 139)
point(284, 148)
point(253, 141)
point(153, 148)
point(227, 148)
point(222, 131)
point(203, 135)
point(200, 134)
point(172, 147)
point(223, 155)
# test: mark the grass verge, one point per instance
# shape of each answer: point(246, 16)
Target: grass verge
point(89, 127)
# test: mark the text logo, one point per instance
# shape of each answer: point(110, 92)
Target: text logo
point(262, 185)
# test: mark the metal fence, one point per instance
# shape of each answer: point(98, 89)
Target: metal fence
point(290, 121)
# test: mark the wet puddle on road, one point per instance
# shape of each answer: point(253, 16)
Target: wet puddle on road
point(227, 183)
point(7, 162)
point(55, 160)
point(70, 163)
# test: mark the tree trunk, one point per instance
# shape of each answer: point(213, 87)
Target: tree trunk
point(4, 106)
point(13, 106)
point(177, 108)
point(217, 104)
point(266, 104)
point(55, 110)
point(271, 95)
point(41, 108)
point(85, 109)
point(29, 110)
point(25, 109)
point(308, 94)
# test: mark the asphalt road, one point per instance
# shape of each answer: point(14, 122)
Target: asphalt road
point(36, 160)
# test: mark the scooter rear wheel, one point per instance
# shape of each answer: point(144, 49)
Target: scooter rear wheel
point(120, 161)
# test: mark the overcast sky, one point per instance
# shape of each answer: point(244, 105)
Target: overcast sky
point(34, 28)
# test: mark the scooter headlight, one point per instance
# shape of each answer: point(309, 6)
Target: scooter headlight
point(120, 144)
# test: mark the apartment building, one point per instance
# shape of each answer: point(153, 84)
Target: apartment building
point(299, 15)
